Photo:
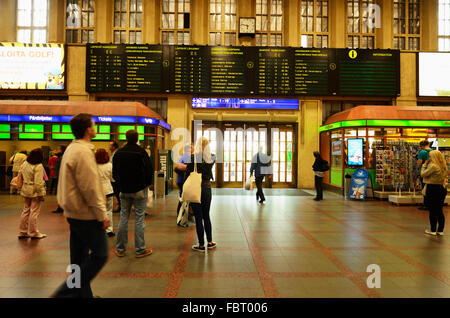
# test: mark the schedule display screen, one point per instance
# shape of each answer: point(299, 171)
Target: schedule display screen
point(245, 103)
point(235, 70)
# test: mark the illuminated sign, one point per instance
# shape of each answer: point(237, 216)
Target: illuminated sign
point(245, 103)
point(32, 66)
point(148, 121)
point(123, 130)
point(114, 119)
point(31, 131)
point(164, 125)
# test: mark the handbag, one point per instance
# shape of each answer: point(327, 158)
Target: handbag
point(183, 214)
point(45, 175)
point(249, 183)
point(17, 182)
point(424, 190)
point(149, 199)
point(192, 188)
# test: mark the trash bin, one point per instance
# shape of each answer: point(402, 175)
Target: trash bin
point(160, 184)
point(347, 183)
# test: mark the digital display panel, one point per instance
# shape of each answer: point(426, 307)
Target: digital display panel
point(5, 131)
point(368, 72)
point(245, 103)
point(242, 70)
point(123, 130)
point(32, 66)
point(355, 152)
point(32, 131)
point(434, 70)
point(64, 132)
point(124, 68)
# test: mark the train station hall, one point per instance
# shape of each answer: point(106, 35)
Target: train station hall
point(218, 150)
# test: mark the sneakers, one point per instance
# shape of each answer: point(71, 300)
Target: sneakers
point(430, 233)
point(212, 245)
point(198, 248)
point(39, 236)
point(440, 233)
point(119, 254)
point(148, 251)
point(23, 236)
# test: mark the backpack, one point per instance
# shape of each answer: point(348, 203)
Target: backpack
point(325, 166)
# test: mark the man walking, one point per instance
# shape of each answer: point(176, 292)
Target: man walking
point(132, 170)
point(80, 194)
point(261, 166)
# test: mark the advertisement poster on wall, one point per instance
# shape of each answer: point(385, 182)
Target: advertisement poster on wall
point(32, 66)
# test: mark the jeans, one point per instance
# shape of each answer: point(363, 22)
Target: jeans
point(85, 236)
point(201, 213)
point(139, 200)
point(435, 197)
point(259, 193)
point(318, 184)
point(180, 186)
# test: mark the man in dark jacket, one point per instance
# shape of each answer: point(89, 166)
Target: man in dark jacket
point(132, 171)
point(320, 166)
point(261, 166)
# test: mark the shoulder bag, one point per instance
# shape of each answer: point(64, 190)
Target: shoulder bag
point(192, 188)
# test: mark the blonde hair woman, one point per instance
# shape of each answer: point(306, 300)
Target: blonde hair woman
point(434, 174)
point(205, 161)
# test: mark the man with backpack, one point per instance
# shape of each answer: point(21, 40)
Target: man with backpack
point(320, 166)
point(261, 166)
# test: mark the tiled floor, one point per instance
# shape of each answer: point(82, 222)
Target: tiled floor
point(290, 247)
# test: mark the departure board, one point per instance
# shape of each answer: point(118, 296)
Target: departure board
point(311, 71)
point(234, 70)
point(190, 69)
point(124, 68)
point(368, 72)
point(274, 71)
point(231, 70)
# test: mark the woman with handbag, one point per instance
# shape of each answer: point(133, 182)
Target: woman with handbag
point(434, 173)
point(105, 172)
point(201, 164)
point(33, 192)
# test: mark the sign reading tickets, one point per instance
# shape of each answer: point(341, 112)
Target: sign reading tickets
point(32, 66)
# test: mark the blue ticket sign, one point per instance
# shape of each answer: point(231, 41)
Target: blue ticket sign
point(358, 185)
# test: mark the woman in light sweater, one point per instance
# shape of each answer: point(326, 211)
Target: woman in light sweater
point(33, 192)
point(105, 173)
point(434, 174)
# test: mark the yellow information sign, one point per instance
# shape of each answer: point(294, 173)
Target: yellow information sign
point(353, 54)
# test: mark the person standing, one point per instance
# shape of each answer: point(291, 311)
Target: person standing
point(59, 154)
point(131, 169)
point(113, 146)
point(51, 165)
point(205, 161)
point(319, 168)
point(80, 194)
point(434, 174)
point(33, 192)
point(17, 160)
point(105, 172)
point(261, 166)
point(181, 169)
point(423, 156)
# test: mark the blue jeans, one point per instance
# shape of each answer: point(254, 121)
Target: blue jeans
point(201, 212)
point(85, 236)
point(139, 200)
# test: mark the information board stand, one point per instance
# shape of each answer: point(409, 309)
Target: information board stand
point(358, 185)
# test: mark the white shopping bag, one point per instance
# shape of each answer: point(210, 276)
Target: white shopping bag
point(249, 183)
point(150, 199)
point(183, 214)
point(192, 187)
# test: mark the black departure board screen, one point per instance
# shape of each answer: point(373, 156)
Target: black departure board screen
point(234, 70)
point(190, 69)
point(368, 72)
point(124, 68)
point(311, 72)
point(231, 70)
point(274, 75)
